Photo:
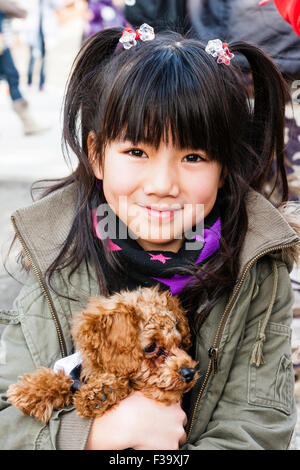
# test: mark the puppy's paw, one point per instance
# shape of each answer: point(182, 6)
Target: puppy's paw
point(38, 394)
point(98, 396)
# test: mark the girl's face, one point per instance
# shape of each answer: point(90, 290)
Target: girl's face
point(159, 194)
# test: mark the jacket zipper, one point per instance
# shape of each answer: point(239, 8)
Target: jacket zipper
point(213, 352)
point(45, 291)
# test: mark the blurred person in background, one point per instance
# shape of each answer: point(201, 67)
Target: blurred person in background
point(103, 14)
point(41, 33)
point(8, 70)
point(232, 20)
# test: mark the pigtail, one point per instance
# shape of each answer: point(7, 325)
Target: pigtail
point(80, 95)
point(266, 131)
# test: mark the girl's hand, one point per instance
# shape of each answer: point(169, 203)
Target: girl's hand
point(139, 423)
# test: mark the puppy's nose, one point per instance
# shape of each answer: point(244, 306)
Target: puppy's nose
point(187, 373)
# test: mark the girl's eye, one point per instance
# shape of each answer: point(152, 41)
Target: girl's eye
point(193, 157)
point(136, 153)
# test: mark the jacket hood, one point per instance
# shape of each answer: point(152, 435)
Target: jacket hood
point(291, 213)
point(271, 227)
point(43, 227)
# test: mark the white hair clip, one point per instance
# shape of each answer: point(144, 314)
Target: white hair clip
point(129, 36)
point(221, 50)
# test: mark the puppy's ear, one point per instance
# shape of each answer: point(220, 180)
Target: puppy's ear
point(106, 333)
point(182, 321)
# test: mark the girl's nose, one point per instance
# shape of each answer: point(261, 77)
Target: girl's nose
point(162, 182)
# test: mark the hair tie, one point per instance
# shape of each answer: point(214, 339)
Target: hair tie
point(221, 50)
point(129, 36)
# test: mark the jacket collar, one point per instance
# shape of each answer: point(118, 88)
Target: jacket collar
point(43, 227)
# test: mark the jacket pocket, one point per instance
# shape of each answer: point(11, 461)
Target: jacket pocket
point(272, 383)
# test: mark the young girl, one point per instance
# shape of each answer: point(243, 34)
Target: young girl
point(161, 126)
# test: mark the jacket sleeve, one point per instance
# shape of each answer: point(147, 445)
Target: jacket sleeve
point(256, 410)
point(20, 354)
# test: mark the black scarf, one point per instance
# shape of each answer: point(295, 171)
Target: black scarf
point(147, 268)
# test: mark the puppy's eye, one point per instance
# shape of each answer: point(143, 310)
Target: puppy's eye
point(150, 349)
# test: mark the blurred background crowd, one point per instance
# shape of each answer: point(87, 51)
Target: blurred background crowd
point(39, 40)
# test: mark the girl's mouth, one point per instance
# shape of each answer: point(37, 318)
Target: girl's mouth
point(164, 214)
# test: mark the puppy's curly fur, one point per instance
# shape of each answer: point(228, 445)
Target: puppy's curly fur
point(130, 341)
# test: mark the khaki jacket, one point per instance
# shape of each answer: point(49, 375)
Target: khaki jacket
point(244, 396)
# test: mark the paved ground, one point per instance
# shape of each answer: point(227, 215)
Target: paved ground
point(26, 159)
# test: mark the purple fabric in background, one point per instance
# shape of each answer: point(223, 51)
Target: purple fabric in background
point(105, 15)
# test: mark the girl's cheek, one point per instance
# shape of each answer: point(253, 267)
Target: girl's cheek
point(203, 193)
point(204, 188)
point(122, 187)
point(120, 181)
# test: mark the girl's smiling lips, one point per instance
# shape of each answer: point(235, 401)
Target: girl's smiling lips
point(161, 211)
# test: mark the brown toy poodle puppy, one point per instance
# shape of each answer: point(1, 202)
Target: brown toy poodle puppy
point(130, 341)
